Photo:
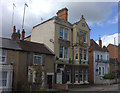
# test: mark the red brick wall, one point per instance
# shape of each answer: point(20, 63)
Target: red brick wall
point(91, 68)
point(63, 15)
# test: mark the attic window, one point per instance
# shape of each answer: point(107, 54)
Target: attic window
point(83, 24)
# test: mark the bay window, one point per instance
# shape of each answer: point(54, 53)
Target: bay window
point(81, 75)
point(66, 34)
point(4, 78)
point(76, 53)
point(81, 50)
point(84, 38)
point(61, 32)
point(76, 76)
point(66, 53)
point(85, 54)
point(61, 51)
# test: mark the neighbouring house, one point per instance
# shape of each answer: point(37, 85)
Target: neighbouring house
point(98, 62)
point(70, 43)
point(25, 63)
point(114, 53)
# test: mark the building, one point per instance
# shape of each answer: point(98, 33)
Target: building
point(24, 63)
point(69, 42)
point(114, 52)
point(98, 62)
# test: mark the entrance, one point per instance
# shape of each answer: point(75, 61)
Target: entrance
point(49, 81)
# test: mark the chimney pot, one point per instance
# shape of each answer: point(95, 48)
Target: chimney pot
point(23, 34)
point(63, 14)
point(14, 29)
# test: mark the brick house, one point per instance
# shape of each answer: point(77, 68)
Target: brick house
point(22, 56)
point(98, 62)
point(114, 52)
point(70, 43)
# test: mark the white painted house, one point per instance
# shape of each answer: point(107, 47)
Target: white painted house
point(99, 62)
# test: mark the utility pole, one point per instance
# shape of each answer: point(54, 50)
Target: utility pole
point(13, 14)
point(24, 16)
point(115, 62)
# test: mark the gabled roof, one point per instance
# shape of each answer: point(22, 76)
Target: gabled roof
point(24, 46)
point(94, 46)
point(82, 18)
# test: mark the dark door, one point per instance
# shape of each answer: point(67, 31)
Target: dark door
point(49, 81)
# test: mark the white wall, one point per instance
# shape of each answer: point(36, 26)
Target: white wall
point(43, 33)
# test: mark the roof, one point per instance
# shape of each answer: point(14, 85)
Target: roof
point(114, 45)
point(94, 46)
point(25, 46)
point(55, 17)
point(34, 47)
point(8, 44)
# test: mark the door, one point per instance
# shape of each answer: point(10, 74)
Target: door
point(49, 81)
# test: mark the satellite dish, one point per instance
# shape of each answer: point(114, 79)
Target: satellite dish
point(51, 40)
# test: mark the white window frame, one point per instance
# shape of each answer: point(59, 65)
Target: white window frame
point(65, 53)
point(1, 56)
point(38, 55)
point(76, 73)
point(85, 54)
point(4, 79)
point(76, 53)
point(69, 73)
point(85, 37)
point(62, 52)
point(66, 30)
point(62, 33)
point(81, 73)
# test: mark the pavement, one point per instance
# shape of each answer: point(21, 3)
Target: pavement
point(113, 87)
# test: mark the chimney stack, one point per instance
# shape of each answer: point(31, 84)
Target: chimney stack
point(23, 34)
point(63, 14)
point(14, 29)
point(100, 42)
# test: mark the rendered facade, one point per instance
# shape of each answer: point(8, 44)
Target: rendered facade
point(70, 43)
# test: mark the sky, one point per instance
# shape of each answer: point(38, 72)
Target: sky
point(102, 17)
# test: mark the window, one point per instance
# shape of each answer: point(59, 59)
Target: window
point(97, 57)
point(4, 78)
point(68, 76)
point(85, 54)
point(103, 71)
point(3, 55)
point(81, 75)
point(84, 37)
point(30, 76)
point(61, 32)
point(101, 57)
point(81, 53)
point(37, 59)
point(99, 70)
point(61, 51)
point(85, 75)
point(76, 53)
point(66, 34)
point(66, 53)
point(76, 76)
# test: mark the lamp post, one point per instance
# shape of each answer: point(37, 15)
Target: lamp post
point(115, 62)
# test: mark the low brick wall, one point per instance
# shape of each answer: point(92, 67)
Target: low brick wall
point(61, 86)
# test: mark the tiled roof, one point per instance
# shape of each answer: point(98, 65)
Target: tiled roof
point(34, 47)
point(95, 46)
point(24, 46)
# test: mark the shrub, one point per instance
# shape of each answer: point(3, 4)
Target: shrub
point(109, 76)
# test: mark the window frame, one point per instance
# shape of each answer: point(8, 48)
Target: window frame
point(76, 53)
point(85, 54)
point(37, 55)
point(65, 30)
point(62, 52)
point(3, 56)
point(61, 32)
point(66, 58)
point(85, 37)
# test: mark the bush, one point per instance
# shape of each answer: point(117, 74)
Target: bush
point(109, 76)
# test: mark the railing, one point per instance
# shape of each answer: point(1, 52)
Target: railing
point(101, 60)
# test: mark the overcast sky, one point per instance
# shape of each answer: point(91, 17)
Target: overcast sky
point(102, 17)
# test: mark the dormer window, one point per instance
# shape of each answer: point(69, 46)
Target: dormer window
point(37, 59)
